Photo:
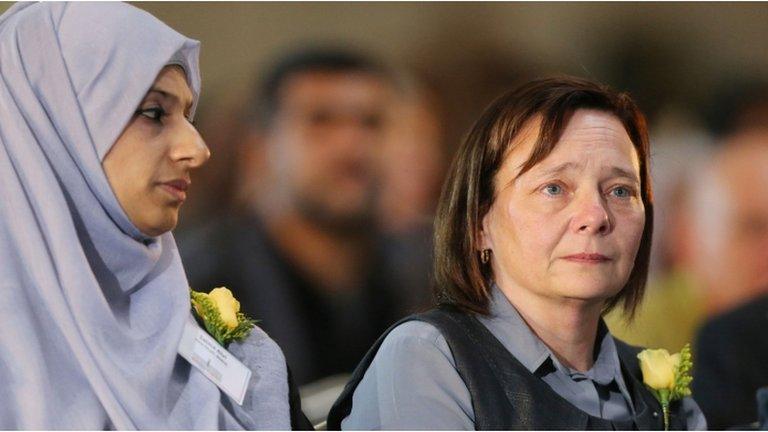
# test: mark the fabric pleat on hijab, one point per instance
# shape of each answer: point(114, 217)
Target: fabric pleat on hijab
point(92, 310)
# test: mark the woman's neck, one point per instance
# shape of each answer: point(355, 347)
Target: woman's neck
point(567, 326)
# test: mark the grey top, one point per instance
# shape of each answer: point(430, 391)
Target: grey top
point(412, 382)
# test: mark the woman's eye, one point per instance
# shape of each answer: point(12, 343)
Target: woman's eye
point(553, 189)
point(155, 113)
point(621, 192)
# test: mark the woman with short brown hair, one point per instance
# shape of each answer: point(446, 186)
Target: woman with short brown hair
point(544, 224)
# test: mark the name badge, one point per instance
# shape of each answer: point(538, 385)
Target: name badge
point(215, 362)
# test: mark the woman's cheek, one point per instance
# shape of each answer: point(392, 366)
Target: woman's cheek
point(634, 222)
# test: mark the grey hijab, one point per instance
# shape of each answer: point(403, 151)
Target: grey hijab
point(92, 310)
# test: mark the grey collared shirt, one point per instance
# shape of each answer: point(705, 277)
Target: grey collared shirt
point(412, 382)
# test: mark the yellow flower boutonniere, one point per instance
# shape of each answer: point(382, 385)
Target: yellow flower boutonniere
point(221, 316)
point(667, 376)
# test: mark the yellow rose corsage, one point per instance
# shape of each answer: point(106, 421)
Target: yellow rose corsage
point(667, 376)
point(221, 316)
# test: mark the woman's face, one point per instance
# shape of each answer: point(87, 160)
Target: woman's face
point(148, 166)
point(570, 227)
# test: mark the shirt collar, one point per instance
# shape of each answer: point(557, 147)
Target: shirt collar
point(510, 329)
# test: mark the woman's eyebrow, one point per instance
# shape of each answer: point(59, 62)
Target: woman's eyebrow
point(168, 95)
point(615, 171)
point(554, 170)
point(621, 172)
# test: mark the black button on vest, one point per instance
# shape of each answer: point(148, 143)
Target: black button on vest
point(505, 395)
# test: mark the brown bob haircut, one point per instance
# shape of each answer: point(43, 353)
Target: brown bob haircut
point(461, 279)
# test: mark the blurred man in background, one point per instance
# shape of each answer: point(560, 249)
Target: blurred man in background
point(731, 222)
point(731, 358)
point(304, 256)
point(718, 234)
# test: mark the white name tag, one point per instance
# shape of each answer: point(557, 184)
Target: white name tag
point(216, 363)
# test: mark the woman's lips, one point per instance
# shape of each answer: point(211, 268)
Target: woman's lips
point(176, 188)
point(589, 258)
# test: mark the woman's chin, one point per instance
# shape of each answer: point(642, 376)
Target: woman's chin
point(159, 225)
point(588, 289)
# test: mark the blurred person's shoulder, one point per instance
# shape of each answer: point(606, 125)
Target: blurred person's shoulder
point(217, 231)
point(405, 260)
point(751, 317)
point(736, 340)
point(210, 247)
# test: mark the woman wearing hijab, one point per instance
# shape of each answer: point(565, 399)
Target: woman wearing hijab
point(96, 150)
point(544, 224)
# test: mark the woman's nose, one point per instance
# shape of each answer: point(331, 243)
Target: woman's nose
point(188, 146)
point(592, 215)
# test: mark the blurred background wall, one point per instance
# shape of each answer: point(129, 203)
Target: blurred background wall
point(676, 59)
point(679, 60)
point(664, 52)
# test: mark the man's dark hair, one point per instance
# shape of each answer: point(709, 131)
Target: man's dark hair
point(266, 101)
point(736, 104)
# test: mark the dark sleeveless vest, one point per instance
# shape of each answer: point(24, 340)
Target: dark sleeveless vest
point(505, 395)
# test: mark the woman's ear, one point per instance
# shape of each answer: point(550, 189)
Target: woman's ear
point(485, 240)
